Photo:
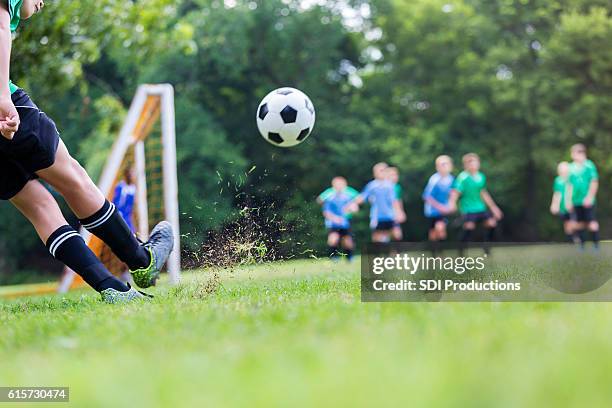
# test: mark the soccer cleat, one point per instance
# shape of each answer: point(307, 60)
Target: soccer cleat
point(113, 296)
point(159, 245)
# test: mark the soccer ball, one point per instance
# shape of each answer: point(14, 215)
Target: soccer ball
point(285, 117)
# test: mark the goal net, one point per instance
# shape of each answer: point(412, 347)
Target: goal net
point(146, 146)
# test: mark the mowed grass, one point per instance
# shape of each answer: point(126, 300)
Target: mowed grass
point(297, 334)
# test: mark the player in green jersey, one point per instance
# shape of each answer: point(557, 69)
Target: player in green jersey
point(475, 203)
point(393, 176)
point(582, 186)
point(557, 205)
point(31, 148)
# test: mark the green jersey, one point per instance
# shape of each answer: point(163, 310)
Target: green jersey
point(330, 191)
point(470, 186)
point(560, 186)
point(398, 191)
point(580, 178)
point(14, 8)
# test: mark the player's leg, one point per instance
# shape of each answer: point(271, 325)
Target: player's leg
point(593, 226)
point(580, 223)
point(348, 245)
point(333, 240)
point(490, 224)
point(62, 241)
point(568, 229)
point(397, 232)
point(468, 230)
point(101, 218)
point(440, 230)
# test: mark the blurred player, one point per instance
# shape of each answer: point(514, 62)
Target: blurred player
point(384, 205)
point(436, 197)
point(582, 186)
point(330, 191)
point(393, 177)
point(558, 204)
point(475, 203)
point(123, 199)
point(337, 219)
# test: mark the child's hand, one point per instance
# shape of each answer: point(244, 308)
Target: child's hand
point(554, 210)
point(351, 208)
point(9, 118)
point(401, 218)
point(588, 202)
point(497, 213)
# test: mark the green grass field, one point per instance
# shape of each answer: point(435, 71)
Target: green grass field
point(296, 334)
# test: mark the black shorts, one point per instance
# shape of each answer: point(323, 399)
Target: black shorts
point(343, 232)
point(384, 226)
point(565, 216)
point(477, 217)
point(32, 148)
point(434, 220)
point(583, 214)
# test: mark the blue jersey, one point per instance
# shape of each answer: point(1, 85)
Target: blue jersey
point(381, 196)
point(124, 201)
point(438, 188)
point(335, 204)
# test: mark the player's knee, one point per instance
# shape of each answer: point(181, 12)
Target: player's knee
point(491, 223)
point(593, 226)
point(332, 239)
point(347, 242)
point(469, 226)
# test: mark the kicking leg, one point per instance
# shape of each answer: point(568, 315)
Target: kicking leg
point(97, 215)
point(64, 243)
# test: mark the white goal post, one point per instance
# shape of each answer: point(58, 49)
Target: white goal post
point(150, 103)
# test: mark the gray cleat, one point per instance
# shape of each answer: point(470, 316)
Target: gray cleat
point(114, 296)
point(159, 245)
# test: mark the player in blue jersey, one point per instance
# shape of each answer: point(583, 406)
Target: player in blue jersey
point(337, 219)
point(385, 209)
point(436, 197)
point(124, 197)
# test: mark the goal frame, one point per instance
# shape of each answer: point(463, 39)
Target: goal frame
point(150, 103)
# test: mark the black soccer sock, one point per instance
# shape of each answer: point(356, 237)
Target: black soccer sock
point(67, 246)
point(333, 251)
point(349, 254)
point(466, 236)
point(569, 238)
point(595, 237)
point(582, 237)
point(490, 234)
point(108, 225)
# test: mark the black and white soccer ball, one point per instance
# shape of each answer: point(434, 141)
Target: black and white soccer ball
point(285, 117)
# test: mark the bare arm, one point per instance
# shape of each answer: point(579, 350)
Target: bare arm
point(9, 119)
point(437, 205)
point(5, 49)
point(590, 197)
point(555, 204)
point(569, 192)
point(486, 197)
point(452, 201)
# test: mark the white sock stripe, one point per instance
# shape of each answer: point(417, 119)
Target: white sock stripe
point(58, 238)
point(102, 219)
point(61, 239)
